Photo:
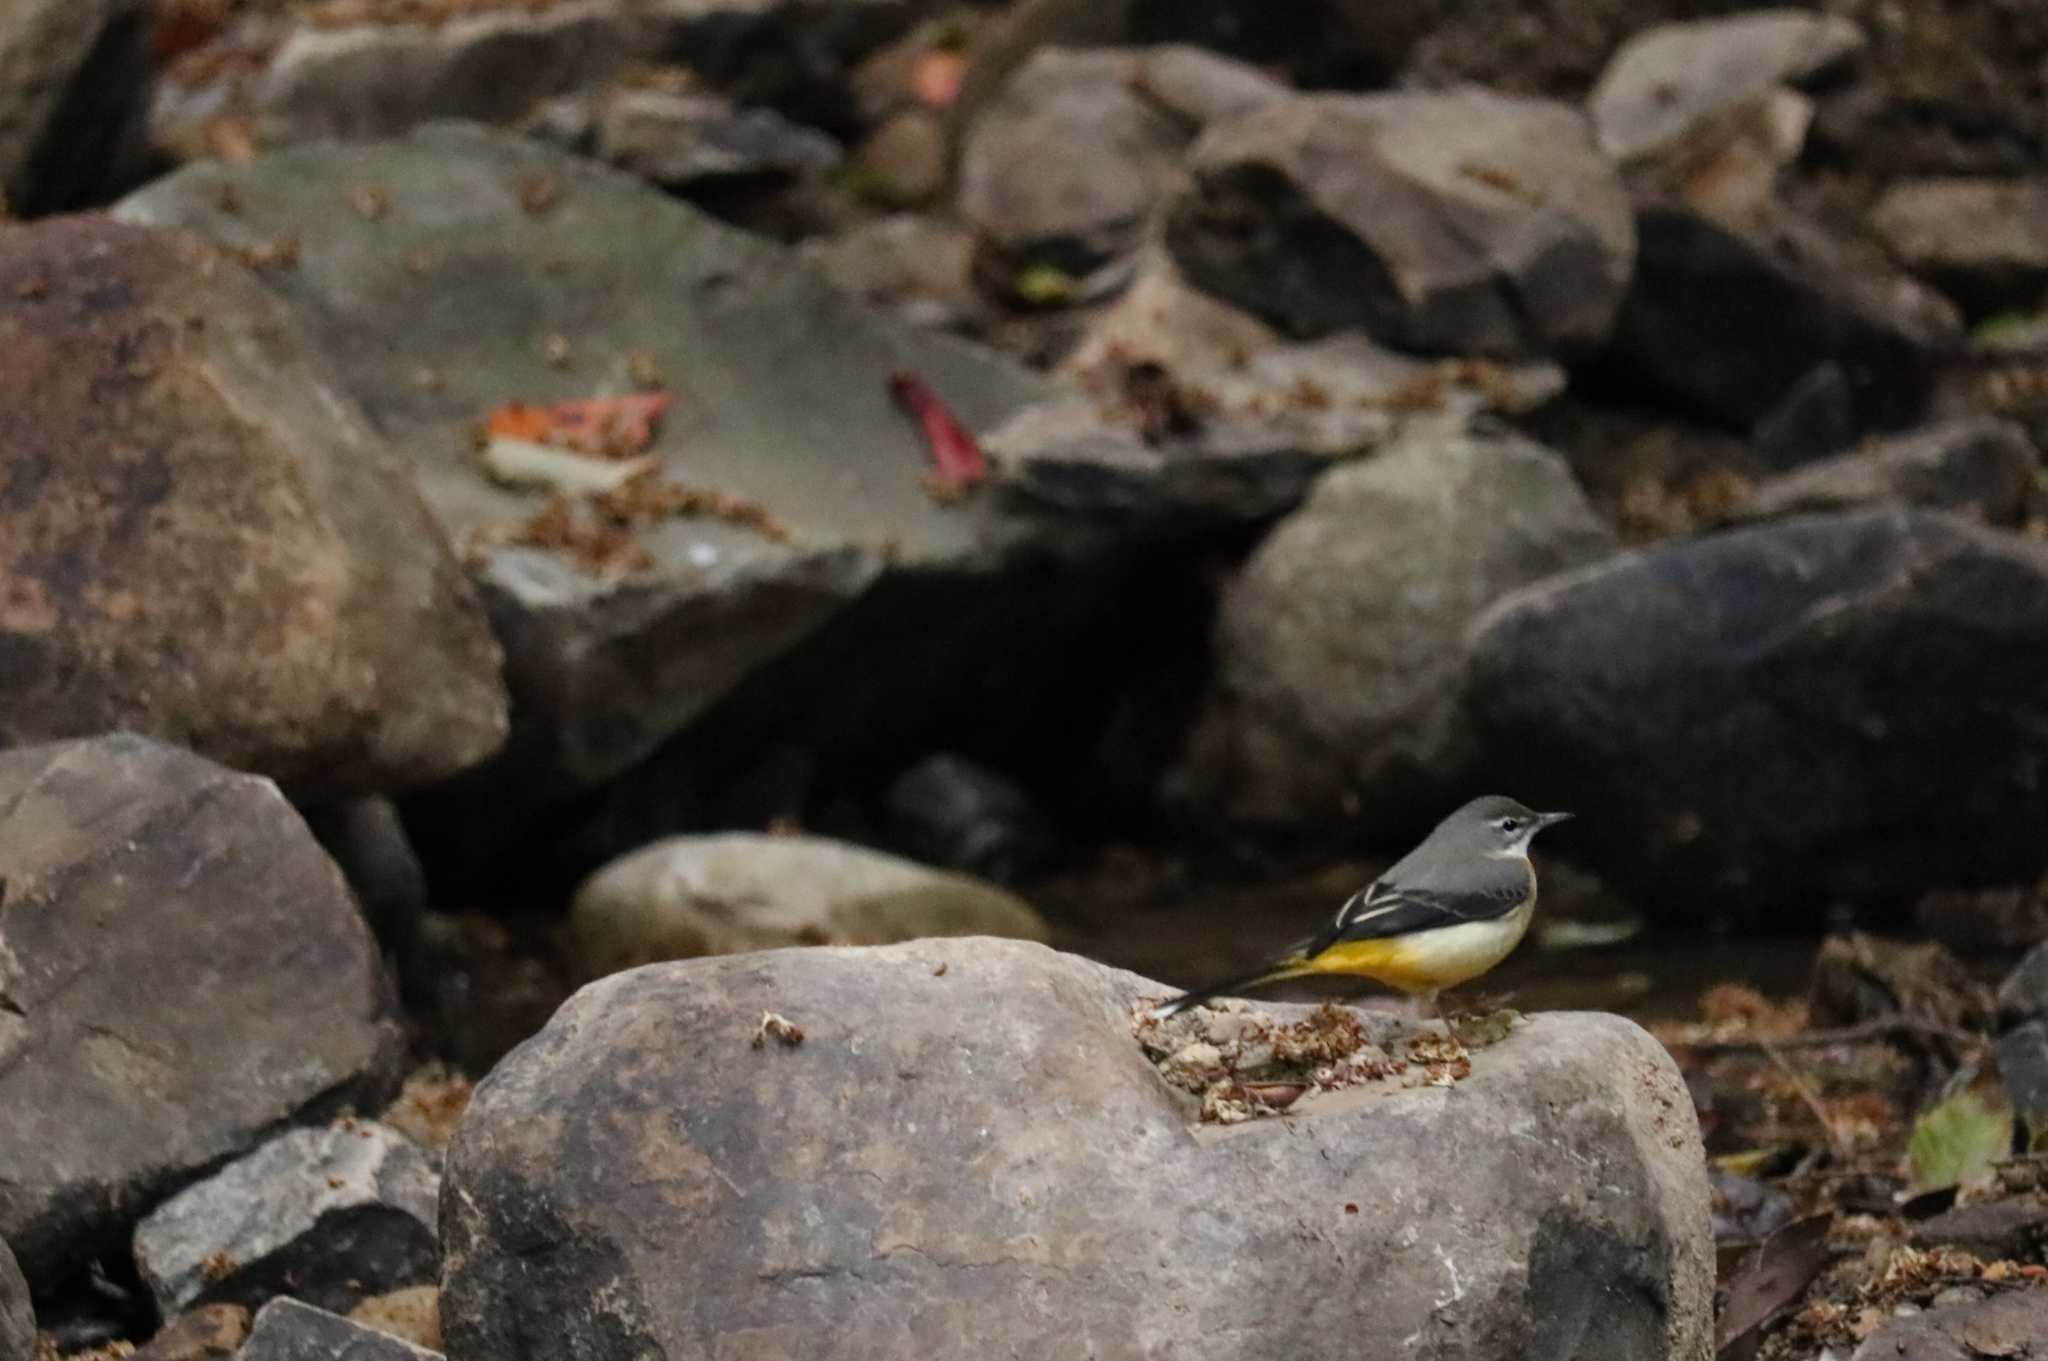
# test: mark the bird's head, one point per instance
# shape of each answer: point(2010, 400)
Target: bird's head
point(1499, 825)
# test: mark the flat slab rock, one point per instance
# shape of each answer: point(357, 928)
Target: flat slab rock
point(181, 970)
point(328, 1216)
point(438, 307)
point(968, 1147)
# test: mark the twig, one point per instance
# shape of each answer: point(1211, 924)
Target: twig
point(1810, 1097)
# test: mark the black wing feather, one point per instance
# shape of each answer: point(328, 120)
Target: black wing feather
point(1383, 910)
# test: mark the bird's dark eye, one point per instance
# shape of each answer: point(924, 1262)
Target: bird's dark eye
point(1511, 825)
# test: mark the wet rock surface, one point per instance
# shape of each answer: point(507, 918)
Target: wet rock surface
point(327, 1216)
point(1101, 1223)
point(135, 873)
point(225, 555)
point(1772, 677)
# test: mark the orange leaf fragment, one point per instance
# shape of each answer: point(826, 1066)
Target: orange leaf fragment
point(603, 427)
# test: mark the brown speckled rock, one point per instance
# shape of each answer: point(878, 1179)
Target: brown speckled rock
point(968, 1147)
point(460, 280)
point(181, 971)
point(201, 538)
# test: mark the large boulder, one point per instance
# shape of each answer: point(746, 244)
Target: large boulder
point(74, 95)
point(206, 540)
point(1462, 222)
point(965, 1143)
point(737, 891)
point(1340, 645)
point(183, 971)
point(328, 1216)
point(440, 306)
point(1769, 719)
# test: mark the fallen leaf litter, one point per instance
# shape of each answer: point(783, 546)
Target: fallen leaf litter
point(588, 455)
point(1241, 1063)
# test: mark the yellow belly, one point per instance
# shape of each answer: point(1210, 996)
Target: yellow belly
point(1428, 960)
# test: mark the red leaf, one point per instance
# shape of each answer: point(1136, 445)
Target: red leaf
point(956, 458)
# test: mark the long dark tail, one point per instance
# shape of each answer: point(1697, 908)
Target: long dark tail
point(1287, 966)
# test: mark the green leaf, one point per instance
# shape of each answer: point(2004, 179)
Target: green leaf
point(1956, 1142)
point(1045, 285)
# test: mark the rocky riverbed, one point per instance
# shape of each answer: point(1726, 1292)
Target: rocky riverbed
point(635, 632)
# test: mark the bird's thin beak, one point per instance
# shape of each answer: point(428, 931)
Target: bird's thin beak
point(1551, 819)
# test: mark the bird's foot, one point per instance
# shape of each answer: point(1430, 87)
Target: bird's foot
point(1476, 1006)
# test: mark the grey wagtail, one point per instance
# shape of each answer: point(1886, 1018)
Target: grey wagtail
point(1447, 911)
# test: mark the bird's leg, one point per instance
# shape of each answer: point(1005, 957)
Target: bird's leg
point(1427, 1008)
